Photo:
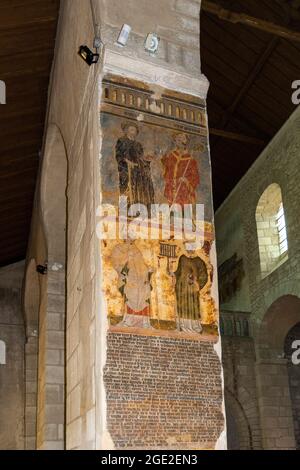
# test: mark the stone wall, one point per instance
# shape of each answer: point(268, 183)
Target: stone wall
point(241, 399)
point(78, 133)
point(230, 242)
point(277, 164)
point(12, 334)
point(177, 25)
point(294, 379)
point(274, 297)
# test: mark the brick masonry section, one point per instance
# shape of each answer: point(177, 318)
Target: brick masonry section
point(162, 393)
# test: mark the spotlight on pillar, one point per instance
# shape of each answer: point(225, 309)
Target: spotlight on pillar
point(88, 56)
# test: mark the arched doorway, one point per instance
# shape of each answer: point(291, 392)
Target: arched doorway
point(238, 429)
point(294, 378)
point(274, 375)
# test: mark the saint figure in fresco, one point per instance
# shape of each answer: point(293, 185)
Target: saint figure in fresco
point(134, 167)
point(191, 277)
point(134, 284)
point(180, 173)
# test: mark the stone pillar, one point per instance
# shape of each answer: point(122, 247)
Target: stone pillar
point(51, 385)
point(159, 352)
point(152, 385)
point(275, 405)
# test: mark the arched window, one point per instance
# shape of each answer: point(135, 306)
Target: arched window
point(271, 230)
point(2, 353)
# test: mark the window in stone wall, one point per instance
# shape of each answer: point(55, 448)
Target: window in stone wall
point(271, 230)
point(281, 227)
point(2, 353)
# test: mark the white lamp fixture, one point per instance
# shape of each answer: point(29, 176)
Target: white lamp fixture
point(152, 43)
point(124, 35)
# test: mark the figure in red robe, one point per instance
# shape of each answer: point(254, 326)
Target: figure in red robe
point(181, 173)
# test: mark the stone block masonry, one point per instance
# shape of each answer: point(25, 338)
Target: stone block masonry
point(162, 392)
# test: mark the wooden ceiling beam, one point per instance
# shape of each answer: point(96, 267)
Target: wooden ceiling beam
point(12, 146)
point(250, 80)
point(8, 236)
point(35, 70)
point(9, 132)
point(20, 112)
point(237, 137)
point(290, 8)
point(257, 23)
point(10, 207)
point(28, 23)
point(19, 3)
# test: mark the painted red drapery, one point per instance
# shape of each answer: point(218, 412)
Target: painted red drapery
point(181, 178)
point(143, 313)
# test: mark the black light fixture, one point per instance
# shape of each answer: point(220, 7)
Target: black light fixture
point(88, 56)
point(42, 269)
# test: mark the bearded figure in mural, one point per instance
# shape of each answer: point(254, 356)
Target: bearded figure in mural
point(134, 284)
point(134, 168)
point(191, 277)
point(180, 173)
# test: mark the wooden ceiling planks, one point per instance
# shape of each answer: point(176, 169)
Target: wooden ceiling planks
point(263, 104)
point(27, 38)
point(230, 53)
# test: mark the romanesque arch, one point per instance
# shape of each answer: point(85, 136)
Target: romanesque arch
point(280, 317)
point(292, 342)
point(239, 435)
point(275, 401)
point(53, 195)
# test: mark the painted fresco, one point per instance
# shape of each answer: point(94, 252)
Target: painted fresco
point(155, 151)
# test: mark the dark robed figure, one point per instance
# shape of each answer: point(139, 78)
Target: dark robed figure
point(134, 168)
point(191, 277)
